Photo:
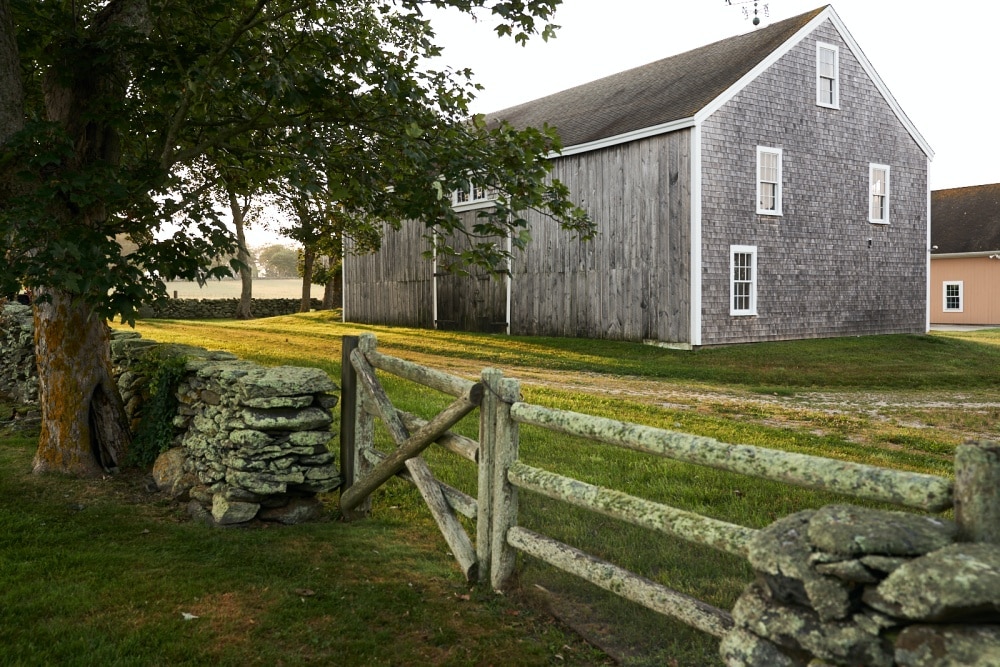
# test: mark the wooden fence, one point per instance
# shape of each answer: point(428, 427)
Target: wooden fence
point(974, 494)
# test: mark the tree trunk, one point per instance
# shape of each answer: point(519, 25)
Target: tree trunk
point(244, 309)
point(85, 430)
point(332, 294)
point(308, 257)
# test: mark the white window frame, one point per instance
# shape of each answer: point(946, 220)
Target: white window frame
point(961, 296)
point(477, 196)
point(761, 150)
point(887, 195)
point(750, 250)
point(820, 47)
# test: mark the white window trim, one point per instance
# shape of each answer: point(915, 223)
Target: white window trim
point(778, 190)
point(888, 192)
point(836, 75)
point(752, 251)
point(473, 203)
point(961, 296)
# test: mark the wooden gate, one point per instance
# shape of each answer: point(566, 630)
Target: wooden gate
point(364, 468)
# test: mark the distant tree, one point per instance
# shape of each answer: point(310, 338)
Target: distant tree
point(278, 261)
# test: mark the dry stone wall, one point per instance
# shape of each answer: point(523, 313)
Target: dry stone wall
point(220, 309)
point(845, 585)
point(250, 442)
point(18, 374)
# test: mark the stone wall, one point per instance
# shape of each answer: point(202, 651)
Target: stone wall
point(18, 374)
point(220, 309)
point(845, 585)
point(250, 442)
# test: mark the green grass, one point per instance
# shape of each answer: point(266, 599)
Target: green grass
point(101, 573)
point(918, 366)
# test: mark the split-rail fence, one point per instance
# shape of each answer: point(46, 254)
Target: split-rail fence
point(974, 493)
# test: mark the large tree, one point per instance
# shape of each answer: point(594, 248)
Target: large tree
point(109, 110)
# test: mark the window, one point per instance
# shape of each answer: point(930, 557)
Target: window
point(878, 179)
point(768, 181)
point(474, 194)
point(953, 297)
point(743, 280)
point(827, 75)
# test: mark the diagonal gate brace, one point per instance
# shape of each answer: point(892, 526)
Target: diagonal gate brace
point(406, 454)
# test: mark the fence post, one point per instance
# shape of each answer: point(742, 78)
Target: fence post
point(348, 411)
point(491, 379)
point(504, 505)
point(364, 427)
point(977, 491)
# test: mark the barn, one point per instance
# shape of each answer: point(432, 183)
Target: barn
point(764, 187)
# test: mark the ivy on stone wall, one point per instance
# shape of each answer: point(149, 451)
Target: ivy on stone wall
point(155, 431)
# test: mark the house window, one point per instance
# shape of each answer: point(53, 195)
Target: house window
point(827, 75)
point(743, 280)
point(768, 181)
point(953, 298)
point(878, 179)
point(474, 194)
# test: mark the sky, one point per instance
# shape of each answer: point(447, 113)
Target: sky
point(939, 61)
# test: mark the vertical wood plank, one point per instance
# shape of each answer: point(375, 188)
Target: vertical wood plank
point(348, 412)
point(488, 410)
point(504, 556)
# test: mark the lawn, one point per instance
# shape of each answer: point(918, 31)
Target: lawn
point(884, 392)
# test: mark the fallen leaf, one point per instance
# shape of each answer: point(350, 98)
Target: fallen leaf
point(188, 617)
point(305, 592)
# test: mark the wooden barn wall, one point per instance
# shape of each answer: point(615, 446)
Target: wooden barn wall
point(473, 302)
point(394, 285)
point(631, 282)
point(823, 269)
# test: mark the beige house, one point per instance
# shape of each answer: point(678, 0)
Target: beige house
point(965, 255)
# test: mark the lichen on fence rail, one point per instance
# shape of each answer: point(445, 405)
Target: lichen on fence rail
point(686, 525)
point(908, 489)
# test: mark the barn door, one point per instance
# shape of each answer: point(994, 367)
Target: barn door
point(476, 302)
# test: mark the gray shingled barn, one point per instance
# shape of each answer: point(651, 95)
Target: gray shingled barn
point(764, 187)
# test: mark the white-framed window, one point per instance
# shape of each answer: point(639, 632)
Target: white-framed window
point(473, 195)
point(742, 280)
point(768, 180)
point(827, 75)
point(878, 193)
point(954, 299)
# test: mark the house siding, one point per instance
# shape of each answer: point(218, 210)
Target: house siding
point(980, 277)
point(632, 281)
point(394, 285)
point(817, 274)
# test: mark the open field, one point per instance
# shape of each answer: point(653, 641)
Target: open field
point(230, 289)
point(899, 401)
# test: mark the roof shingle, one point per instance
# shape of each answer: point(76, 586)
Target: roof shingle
point(966, 219)
point(661, 92)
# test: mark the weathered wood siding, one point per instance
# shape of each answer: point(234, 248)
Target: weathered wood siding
point(474, 302)
point(393, 285)
point(818, 275)
point(632, 281)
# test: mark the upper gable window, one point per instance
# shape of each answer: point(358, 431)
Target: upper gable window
point(827, 75)
point(878, 186)
point(768, 180)
point(474, 195)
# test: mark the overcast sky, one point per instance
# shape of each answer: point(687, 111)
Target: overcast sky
point(940, 60)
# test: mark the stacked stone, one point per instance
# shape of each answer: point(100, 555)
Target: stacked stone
point(846, 585)
point(215, 309)
point(254, 441)
point(18, 373)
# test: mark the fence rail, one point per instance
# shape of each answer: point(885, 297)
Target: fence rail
point(975, 494)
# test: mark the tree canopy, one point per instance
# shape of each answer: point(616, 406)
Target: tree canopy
point(122, 117)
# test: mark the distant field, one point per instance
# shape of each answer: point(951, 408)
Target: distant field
point(230, 289)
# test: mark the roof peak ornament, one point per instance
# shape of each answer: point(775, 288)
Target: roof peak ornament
point(746, 10)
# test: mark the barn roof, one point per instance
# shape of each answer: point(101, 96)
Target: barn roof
point(667, 90)
point(966, 219)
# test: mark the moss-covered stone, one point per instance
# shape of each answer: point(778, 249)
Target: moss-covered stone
point(852, 530)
